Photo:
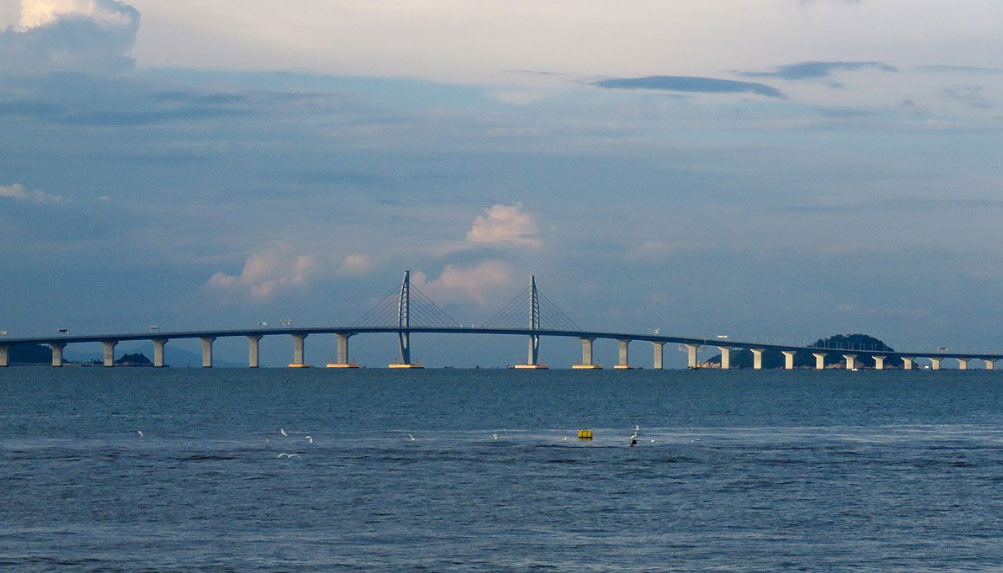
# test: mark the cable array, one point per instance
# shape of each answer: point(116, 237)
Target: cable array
point(421, 310)
point(515, 314)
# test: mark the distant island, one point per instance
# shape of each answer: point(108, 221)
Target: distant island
point(835, 346)
point(42, 354)
point(137, 359)
point(30, 354)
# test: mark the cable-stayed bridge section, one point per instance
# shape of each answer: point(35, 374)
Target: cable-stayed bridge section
point(407, 311)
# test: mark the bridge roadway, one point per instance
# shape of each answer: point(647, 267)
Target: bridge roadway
point(299, 334)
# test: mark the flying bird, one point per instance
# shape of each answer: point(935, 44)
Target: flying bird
point(283, 431)
point(285, 455)
point(309, 439)
point(140, 432)
point(410, 437)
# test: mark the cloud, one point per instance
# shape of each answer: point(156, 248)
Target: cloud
point(356, 264)
point(478, 284)
point(689, 84)
point(504, 225)
point(18, 192)
point(817, 70)
point(70, 35)
point(266, 273)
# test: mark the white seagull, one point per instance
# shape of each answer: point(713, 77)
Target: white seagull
point(309, 439)
point(140, 432)
point(410, 437)
point(285, 455)
point(283, 431)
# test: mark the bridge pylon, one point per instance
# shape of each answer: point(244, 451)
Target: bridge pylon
point(533, 359)
point(404, 323)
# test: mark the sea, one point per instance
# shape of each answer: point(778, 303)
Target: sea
point(227, 469)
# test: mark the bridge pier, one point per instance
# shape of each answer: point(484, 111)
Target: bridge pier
point(935, 363)
point(586, 363)
point(691, 356)
point(109, 352)
point(158, 352)
point(819, 360)
point(4, 356)
point(207, 351)
point(908, 362)
point(725, 357)
point(990, 363)
point(962, 363)
point(879, 362)
point(298, 343)
point(623, 363)
point(757, 358)
point(659, 348)
point(253, 341)
point(342, 360)
point(57, 353)
point(788, 359)
point(851, 361)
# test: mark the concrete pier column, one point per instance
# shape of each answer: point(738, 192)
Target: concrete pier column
point(789, 359)
point(725, 357)
point(57, 353)
point(990, 363)
point(935, 363)
point(691, 355)
point(757, 358)
point(298, 340)
point(879, 362)
point(624, 359)
point(252, 350)
point(851, 361)
point(819, 360)
point(908, 362)
point(342, 347)
point(962, 363)
point(4, 356)
point(207, 351)
point(659, 348)
point(587, 351)
point(158, 352)
point(109, 352)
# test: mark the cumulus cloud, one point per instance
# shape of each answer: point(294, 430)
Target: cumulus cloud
point(688, 84)
point(356, 264)
point(70, 35)
point(18, 192)
point(478, 284)
point(504, 225)
point(266, 273)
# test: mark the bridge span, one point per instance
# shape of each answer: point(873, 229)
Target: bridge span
point(534, 331)
point(853, 358)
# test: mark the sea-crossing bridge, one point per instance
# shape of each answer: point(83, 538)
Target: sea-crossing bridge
point(408, 311)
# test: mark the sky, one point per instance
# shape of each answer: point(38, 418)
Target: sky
point(774, 170)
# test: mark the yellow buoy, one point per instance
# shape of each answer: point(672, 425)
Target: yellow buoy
point(585, 434)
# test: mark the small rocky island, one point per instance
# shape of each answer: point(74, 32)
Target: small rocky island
point(835, 345)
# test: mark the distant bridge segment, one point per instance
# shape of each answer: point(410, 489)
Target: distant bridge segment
point(534, 330)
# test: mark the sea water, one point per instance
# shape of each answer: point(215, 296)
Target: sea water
point(275, 469)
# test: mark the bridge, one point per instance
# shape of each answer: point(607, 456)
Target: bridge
point(409, 303)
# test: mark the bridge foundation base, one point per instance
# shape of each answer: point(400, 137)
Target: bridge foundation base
point(402, 366)
point(338, 365)
point(586, 367)
point(624, 367)
point(529, 367)
point(298, 365)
